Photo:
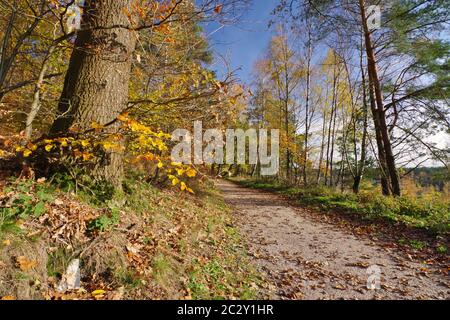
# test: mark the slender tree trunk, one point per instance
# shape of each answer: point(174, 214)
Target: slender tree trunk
point(330, 126)
point(288, 152)
point(385, 185)
point(374, 79)
point(308, 84)
point(322, 146)
point(333, 140)
point(96, 83)
point(36, 104)
point(362, 162)
point(333, 129)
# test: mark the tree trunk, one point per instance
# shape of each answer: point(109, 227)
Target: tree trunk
point(322, 147)
point(385, 185)
point(330, 127)
point(308, 85)
point(362, 163)
point(36, 104)
point(333, 133)
point(373, 77)
point(288, 152)
point(97, 81)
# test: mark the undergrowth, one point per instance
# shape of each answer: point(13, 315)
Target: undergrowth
point(150, 242)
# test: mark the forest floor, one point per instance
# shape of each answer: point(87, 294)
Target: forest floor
point(305, 254)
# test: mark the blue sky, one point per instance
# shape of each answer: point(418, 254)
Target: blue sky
point(242, 43)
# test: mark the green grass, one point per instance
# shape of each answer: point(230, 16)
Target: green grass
point(213, 280)
point(441, 249)
point(425, 213)
point(24, 199)
point(129, 279)
point(106, 221)
point(418, 245)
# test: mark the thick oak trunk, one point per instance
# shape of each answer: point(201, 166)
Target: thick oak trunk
point(97, 81)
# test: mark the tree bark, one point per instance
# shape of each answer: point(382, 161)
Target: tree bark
point(322, 147)
point(385, 185)
point(308, 84)
point(362, 162)
point(330, 131)
point(384, 132)
point(97, 81)
point(36, 104)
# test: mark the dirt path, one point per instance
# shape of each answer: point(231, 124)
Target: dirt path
point(306, 259)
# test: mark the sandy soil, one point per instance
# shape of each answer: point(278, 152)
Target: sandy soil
point(304, 258)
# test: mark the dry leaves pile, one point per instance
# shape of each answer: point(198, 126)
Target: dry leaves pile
point(66, 220)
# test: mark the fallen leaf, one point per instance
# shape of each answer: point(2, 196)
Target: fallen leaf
point(132, 249)
point(41, 180)
point(98, 292)
point(340, 287)
point(25, 264)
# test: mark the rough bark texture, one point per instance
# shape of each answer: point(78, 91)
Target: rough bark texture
point(97, 82)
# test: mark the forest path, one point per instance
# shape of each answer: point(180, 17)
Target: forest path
point(304, 258)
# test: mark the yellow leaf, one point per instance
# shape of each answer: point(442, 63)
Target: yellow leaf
point(63, 142)
point(8, 298)
point(6, 242)
point(190, 190)
point(191, 173)
point(98, 292)
point(180, 172)
point(49, 147)
point(96, 126)
point(32, 147)
point(27, 153)
point(86, 156)
point(84, 143)
point(160, 165)
point(110, 146)
point(183, 186)
point(123, 117)
point(175, 181)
